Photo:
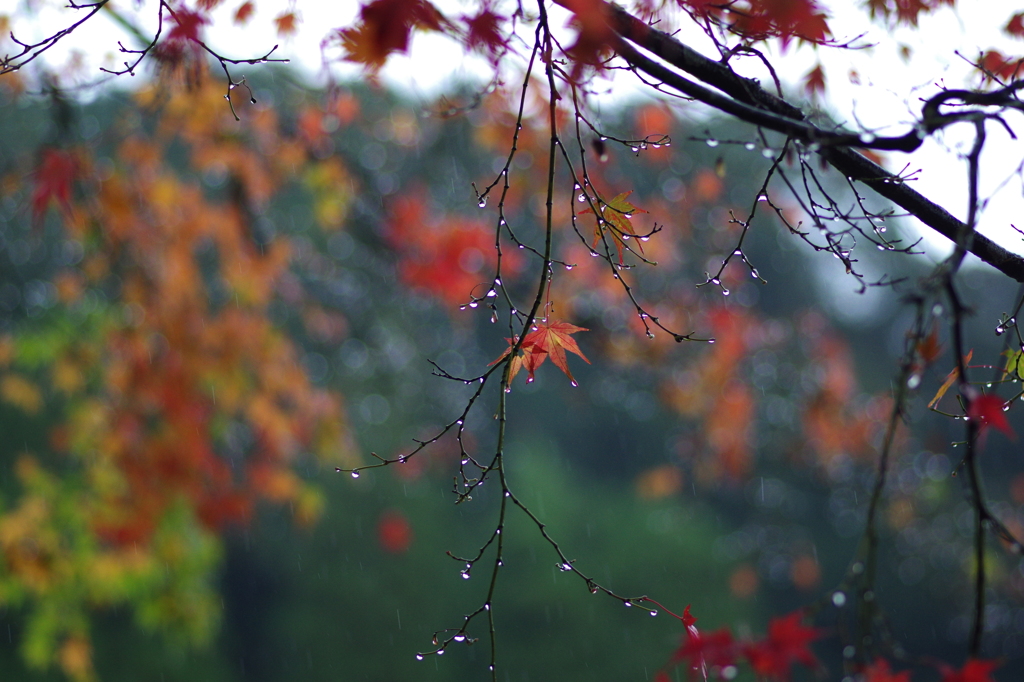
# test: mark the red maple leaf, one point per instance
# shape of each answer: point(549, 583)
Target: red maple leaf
point(879, 671)
point(548, 338)
point(385, 26)
point(1015, 26)
point(785, 645)
point(56, 174)
point(482, 32)
point(974, 670)
point(244, 12)
point(711, 649)
point(814, 81)
point(186, 26)
point(988, 410)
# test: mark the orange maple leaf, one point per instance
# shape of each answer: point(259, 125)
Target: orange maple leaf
point(548, 338)
point(615, 216)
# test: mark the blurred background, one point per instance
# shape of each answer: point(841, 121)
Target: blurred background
point(201, 319)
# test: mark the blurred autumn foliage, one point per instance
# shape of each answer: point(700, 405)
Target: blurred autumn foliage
point(177, 405)
point(176, 346)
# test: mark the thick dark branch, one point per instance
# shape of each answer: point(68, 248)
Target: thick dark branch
point(745, 99)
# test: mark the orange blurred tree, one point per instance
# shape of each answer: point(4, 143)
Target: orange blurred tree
point(179, 369)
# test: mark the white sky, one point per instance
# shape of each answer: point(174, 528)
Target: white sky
point(886, 99)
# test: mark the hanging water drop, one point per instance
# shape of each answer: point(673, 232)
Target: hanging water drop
point(767, 152)
point(654, 613)
point(419, 657)
point(749, 146)
point(482, 202)
point(459, 638)
point(573, 383)
point(712, 142)
point(355, 474)
point(725, 292)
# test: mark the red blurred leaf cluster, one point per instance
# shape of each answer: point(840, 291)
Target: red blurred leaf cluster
point(394, 532)
point(449, 257)
point(803, 20)
point(772, 657)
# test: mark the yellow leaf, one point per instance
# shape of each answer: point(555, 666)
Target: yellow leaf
point(19, 391)
point(950, 380)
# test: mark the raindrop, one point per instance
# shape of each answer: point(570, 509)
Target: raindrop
point(482, 202)
point(725, 292)
point(593, 589)
point(635, 149)
point(716, 281)
point(767, 152)
point(465, 575)
point(839, 599)
point(491, 668)
point(492, 293)
point(627, 603)
point(645, 239)
point(337, 469)
point(711, 340)
point(737, 252)
point(581, 198)
point(914, 381)
point(712, 143)
point(625, 236)
point(419, 657)
point(569, 267)
point(762, 197)
point(867, 138)
point(564, 567)
point(749, 146)
point(473, 304)
point(440, 652)
point(487, 607)
point(355, 474)
point(654, 613)
point(459, 638)
point(937, 309)
point(999, 330)
point(650, 334)
point(755, 274)
point(573, 383)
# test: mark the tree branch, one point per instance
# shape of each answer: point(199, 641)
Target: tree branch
point(744, 98)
